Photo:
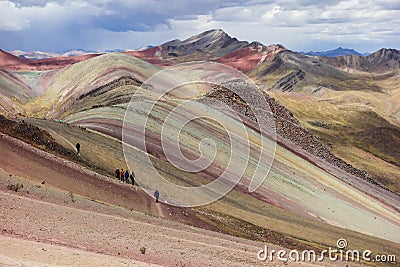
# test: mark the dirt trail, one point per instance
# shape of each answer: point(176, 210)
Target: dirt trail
point(113, 235)
point(103, 229)
point(166, 243)
point(64, 230)
point(23, 160)
point(69, 144)
point(235, 204)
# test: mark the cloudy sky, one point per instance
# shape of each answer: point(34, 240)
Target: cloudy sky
point(97, 25)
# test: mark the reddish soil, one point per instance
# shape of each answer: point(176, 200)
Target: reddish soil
point(244, 59)
point(149, 55)
point(11, 62)
point(120, 236)
point(248, 58)
point(78, 223)
point(24, 160)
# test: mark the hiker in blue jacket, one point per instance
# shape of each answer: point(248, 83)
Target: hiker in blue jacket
point(126, 176)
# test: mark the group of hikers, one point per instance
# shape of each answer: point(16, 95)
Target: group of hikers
point(122, 175)
point(125, 175)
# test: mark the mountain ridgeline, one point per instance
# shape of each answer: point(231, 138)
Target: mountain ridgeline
point(334, 53)
point(331, 123)
point(341, 97)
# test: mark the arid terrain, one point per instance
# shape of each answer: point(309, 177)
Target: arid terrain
point(335, 171)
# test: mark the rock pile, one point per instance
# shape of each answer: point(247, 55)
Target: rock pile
point(122, 81)
point(287, 126)
point(34, 136)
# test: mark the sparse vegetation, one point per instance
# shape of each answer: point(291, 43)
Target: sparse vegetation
point(352, 113)
point(358, 134)
point(15, 187)
point(322, 124)
point(72, 197)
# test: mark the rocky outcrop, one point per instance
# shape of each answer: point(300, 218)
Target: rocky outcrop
point(122, 81)
point(287, 127)
point(34, 136)
point(289, 81)
point(384, 60)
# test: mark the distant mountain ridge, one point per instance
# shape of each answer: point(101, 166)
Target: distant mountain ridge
point(362, 92)
point(43, 55)
point(9, 61)
point(334, 53)
point(213, 45)
point(204, 46)
point(216, 42)
point(381, 61)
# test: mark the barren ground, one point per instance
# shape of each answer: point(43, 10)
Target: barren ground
point(44, 225)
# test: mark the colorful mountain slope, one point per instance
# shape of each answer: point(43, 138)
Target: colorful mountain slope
point(13, 93)
point(11, 62)
point(354, 112)
point(351, 110)
point(75, 84)
point(294, 184)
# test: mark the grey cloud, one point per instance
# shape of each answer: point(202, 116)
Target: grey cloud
point(39, 3)
point(130, 24)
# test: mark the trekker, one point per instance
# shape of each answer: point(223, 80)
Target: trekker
point(126, 176)
point(156, 195)
point(117, 173)
point(133, 178)
point(121, 173)
point(78, 148)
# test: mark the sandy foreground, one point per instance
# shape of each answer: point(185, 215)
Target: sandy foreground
point(45, 225)
point(37, 233)
point(20, 252)
point(165, 243)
